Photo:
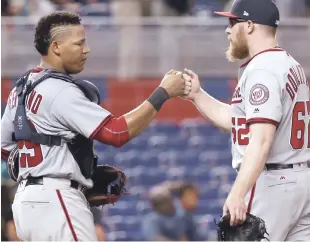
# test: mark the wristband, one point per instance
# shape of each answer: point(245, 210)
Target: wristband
point(158, 97)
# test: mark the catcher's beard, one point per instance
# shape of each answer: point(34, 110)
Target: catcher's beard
point(239, 49)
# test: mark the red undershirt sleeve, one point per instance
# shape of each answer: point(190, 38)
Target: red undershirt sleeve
point(114, 131)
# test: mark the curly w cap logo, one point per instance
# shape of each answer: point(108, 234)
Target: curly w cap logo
point(259, 94)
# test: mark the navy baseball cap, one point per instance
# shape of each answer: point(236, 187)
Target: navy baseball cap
point(263, 12)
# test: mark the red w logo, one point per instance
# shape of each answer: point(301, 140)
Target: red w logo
point(282, 178)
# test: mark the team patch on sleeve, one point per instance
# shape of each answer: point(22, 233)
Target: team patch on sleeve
point(259, 94)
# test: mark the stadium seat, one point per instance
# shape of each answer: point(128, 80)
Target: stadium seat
point(193, 150)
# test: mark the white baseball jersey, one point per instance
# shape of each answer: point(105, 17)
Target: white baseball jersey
point(59, 108)
point(272, 87)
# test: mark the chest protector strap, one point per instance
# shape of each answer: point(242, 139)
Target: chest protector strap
point(80, 147)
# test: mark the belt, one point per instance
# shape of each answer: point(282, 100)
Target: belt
point(39, 181)
point(273, 166)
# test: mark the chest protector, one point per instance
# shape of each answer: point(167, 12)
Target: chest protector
point(81, 148)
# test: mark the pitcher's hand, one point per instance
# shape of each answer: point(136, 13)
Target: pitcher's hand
point(175, 85)
point(195, 87)
point(236, 207)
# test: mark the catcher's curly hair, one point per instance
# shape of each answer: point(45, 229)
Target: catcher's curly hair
point(43, 36)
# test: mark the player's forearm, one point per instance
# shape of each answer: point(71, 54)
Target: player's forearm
point(100, 233)
point(139, 118)
point(118, 131)
point(217, 112)
point(255, 157)
point(11, 231)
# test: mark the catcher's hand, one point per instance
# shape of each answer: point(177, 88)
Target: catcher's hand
point(109, 185)
point(252, 229)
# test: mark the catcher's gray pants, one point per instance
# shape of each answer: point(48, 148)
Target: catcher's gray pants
point(282, 199)
point(53, 211)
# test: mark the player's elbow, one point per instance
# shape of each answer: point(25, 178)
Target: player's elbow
point(114, 132)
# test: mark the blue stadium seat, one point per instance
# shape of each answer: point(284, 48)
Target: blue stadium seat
point(197, 142)
point(177, 173)
point(126, 158)
point(152, 177)
point(117, 236)
point(193, 150)
point(138, 143)
point(147, 159)
point(123, 208)
point(206, 222)
point(178, 142)
point(106, 157)
point(168, 159)
point(160, 142)
point(164, 128)
point(189, 158)
point(132, 223)
point(193, 126)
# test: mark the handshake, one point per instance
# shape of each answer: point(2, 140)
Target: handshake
point(181, 84)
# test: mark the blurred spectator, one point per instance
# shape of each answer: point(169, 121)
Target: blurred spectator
point(165, 222)
point(97, 220)
point(308, 8)
point(4, 171)
point(16, 7)
point(292, 8)
point(170, 33)
point(298, 8)
point(66, 5)
point(10, 226)
point(5, 8)
point(8, 231)
point(172, 7)
point(287, 8)
point(94, 7)
point(127, 15)
point(33, 8)
point(5, 206)
point(188, 195)
point(38, 8)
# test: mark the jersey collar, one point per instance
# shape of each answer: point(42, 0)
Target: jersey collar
point(267, 50)
point(37, 69)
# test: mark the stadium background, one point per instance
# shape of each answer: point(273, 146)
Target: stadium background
point(130, 52)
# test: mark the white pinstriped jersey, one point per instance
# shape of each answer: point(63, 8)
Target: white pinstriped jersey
point(272, 87)
point(59, 108)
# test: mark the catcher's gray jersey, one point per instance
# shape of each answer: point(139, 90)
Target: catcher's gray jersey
point(59, 108)
point(272, 87)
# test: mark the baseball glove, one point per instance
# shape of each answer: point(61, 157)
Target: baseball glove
point(252, 229)
point(109, 185)
point(12, 164)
